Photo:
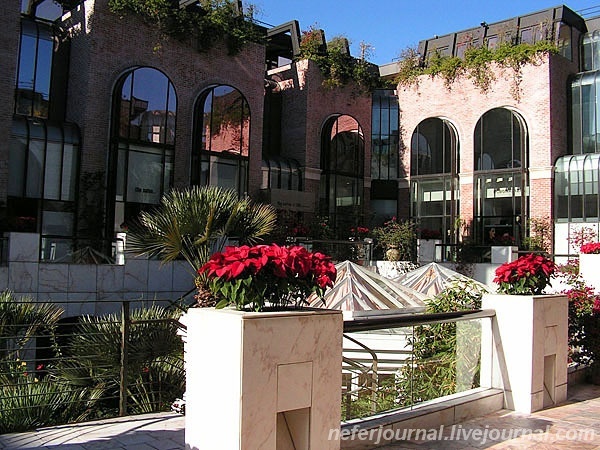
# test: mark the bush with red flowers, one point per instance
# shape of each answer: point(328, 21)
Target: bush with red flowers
point(590, 249)
point(267, 275)
point(530, 274)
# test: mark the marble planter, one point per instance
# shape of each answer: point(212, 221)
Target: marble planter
point(504, 253)
point(263, 381)
point(525, 352)
point(589, 265)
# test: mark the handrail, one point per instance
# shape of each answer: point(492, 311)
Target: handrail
point(406, 320)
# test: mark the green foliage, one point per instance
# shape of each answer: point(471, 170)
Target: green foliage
point(216, 20)
point(397, 234)
point(191, 222)
point(155, 374)
point(476, 65)
point(335, 62)
point(540, 235)
point(434, 370)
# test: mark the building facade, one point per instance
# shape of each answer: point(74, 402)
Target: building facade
point(101, 114)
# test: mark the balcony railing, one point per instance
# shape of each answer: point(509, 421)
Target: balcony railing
point(400, 361)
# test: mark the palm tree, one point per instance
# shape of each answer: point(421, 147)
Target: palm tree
point(193, 222)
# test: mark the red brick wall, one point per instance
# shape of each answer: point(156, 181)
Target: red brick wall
point(106, 45)
point(542, 103)
point(307, 105)
point(9, 50)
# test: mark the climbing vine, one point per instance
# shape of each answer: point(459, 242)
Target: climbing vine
point(335, 62)
point(213, 21)
point(476, 64)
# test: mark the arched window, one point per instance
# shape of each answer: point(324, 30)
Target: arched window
point(342, 164)
point(142, 145)
point(501, 184)
point(222, 134)
point(434, 178)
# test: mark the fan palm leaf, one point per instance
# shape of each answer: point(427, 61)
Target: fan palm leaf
point(193, 222)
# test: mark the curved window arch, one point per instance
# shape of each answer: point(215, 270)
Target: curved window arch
point(434, 178)
point(342, 165)
point(501, 183)
point(142, 145)
point(221, 139)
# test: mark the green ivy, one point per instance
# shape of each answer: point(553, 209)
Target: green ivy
point(216, 20)
point(336, 64)
point(476, 64)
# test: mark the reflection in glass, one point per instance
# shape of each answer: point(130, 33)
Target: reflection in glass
point(384, 136)
point(576, 179)
point(342, 162)
point(220, 155)
point(144, 137)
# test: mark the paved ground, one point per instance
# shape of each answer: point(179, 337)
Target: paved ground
point(573, 425)
point(162, 431)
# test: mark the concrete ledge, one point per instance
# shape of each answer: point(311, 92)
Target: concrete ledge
point(363, 434)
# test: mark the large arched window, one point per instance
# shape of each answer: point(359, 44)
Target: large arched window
point(342, 164)
point(222, 134)
point(501, 184)
point(434, 182)
point(142, 145)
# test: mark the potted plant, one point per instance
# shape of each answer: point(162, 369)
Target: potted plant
point(589, 261)
point(532, 335)
point(280, 362)
point(267, 276)
point(397, 238)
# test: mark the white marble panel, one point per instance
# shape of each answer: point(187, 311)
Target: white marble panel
point(3, 278)
point(53, 278)
point(52, 297)
point(110, 279)
point(160, 276)
point(23, 277)
point(183, 276)
point(82, 277)
point(135, 276)
point(250, 347)
point(23, 247)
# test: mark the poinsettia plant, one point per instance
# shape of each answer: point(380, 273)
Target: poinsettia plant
point(529, 274)
point(267, 276)
point(592, 248)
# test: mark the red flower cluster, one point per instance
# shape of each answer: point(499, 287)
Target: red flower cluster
point(593, 248)
point(269, 273)
point(530, 274)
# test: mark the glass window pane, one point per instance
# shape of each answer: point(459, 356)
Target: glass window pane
point(52, 174)
point(69, 174)
point(16, 164)
point(144, 175)
point(35, 165)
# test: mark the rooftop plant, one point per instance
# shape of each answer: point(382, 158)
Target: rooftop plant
point(475, 65)
point(335, 62)
point(214, 20)
point(528, 275)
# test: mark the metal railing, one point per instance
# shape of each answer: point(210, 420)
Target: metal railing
point(126, 359)
point(400, 361)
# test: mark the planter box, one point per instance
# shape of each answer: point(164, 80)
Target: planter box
point(504, 253)
point(589, 269)
point(525, 353)
point(427, 250)
point(269, 380)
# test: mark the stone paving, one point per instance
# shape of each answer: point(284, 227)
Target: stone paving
point(573, 425)
point(160, 431)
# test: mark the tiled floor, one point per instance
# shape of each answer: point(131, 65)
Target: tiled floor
point(573, 425)
point(162, 431)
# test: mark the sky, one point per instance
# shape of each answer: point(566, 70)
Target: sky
point(390, 26)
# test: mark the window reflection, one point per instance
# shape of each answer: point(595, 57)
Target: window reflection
point(35, 66)
point(342, 161)
point(144, 137)
point(384, 136)
point(585, 113)
point(221, 149)
point(502, 190)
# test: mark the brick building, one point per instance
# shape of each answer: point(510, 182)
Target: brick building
point(101, 114)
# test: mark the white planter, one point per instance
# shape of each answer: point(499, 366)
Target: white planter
point(525, 353)
point(267, 381)
point(427, 250)
point(504, 253)
point(589, 269)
